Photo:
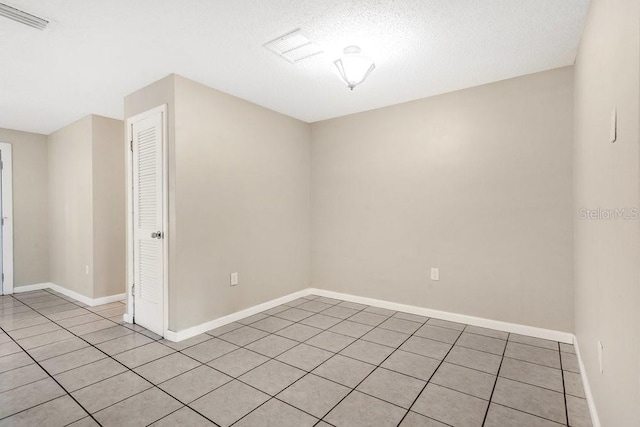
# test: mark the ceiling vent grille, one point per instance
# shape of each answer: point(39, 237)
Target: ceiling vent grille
point(293, 47)
point(22, 17)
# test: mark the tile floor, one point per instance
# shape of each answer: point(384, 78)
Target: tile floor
point(312, 362)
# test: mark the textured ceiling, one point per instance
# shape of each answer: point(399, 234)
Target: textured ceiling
point(95, 51)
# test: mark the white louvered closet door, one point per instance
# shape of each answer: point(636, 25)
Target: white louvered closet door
point(148, 221)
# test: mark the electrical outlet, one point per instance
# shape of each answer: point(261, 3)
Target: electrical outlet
point(435, 273)
point(600, 355)
point(234, 279)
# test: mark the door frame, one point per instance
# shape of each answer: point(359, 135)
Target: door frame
point(129, 315)
point(6, 287)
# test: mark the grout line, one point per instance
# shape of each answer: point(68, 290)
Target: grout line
point(484, 420)
point(269, 358)
point(564, 394)
point(307, 372)
point(126, 367)
point(431, 377)
point(56, 381)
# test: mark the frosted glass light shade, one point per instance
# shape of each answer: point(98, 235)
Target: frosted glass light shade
point(353, 67)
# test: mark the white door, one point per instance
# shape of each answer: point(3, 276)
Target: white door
point(148, 219)
point(2, 289)
point(6, 220)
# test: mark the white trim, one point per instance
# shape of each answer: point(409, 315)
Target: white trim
point(221, 321)
point(564, 337)
point(29, 288)
point(7, 211)
point(64, 291)
point(130, 310)
point(532, 331)
point(595, 420)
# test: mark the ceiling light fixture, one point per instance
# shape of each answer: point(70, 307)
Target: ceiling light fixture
point(353, 67)
point(22, 17)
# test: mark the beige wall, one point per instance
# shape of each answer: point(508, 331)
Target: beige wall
point(238, 200)
point(86, 207)
point(109, 176)
point(607, 255)
point(475, 182)
point(242, 204)
point(30, 206)
point(71, 207)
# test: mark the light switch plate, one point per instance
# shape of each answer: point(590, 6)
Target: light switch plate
point(234, 279)
point(435, 273)
point(613, 136)
point(600, 355)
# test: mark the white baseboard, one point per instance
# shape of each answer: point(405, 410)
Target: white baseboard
point(64, 291)
point(595, 420)
point(564, 337)
point(221, 321)
point(29, 288)
point(532, 331)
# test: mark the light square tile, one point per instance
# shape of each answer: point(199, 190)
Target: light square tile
point(272, 345)
point(141, 409)
point(277, 413)
point(209, 350)
point(533, 354)
point(320, 321)
point(500, 416)
point(272, 377)
point(361, 410)
point(107, 392)
point(89, 374)
point(330, 341)
point(183, 417)
point(450, 406)
point(143, 354)
point(367, 352)
point(474, 359)
point(465, 380)
point(166, 367)
point(437, 333)
point(271, 324)
point(392, 387)
point(344, 370)
point(426, 347)
point(530, 399)
point(229, 403)
point(243, 336)
point(400, 325)
point(195, 383)
point(58, 412)
point(482, 343)
point(314, 394)
point(531, 373)
point(29, 395)
point(386, 337)
point(411, 364)
point(305, 357)
point(238, 362)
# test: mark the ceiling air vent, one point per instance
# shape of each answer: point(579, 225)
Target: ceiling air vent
point(22, 17)
point(293, 47)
